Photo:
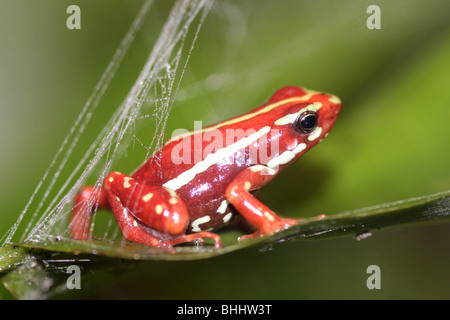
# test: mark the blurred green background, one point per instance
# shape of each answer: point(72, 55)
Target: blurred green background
point(390, 143)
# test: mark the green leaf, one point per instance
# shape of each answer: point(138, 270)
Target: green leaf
point(25, 266)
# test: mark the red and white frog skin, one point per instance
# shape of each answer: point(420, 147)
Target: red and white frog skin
point(166, 201)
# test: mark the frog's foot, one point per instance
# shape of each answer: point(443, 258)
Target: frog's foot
point(280, 225)
point(321, 216)
point(199, 236)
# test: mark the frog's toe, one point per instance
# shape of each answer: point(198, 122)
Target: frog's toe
point(281, 225)
point(199, 236)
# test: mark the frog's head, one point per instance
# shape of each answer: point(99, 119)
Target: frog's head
point(304, 119)
point(315, 118)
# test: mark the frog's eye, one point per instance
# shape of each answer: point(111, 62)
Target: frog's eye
point(306, 122)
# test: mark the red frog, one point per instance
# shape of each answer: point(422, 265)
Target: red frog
point(180, 194)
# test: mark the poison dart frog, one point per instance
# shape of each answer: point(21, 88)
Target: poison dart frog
point(188, 187)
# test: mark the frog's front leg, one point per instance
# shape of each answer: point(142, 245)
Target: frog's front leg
point(136, 206)
point(252, 209)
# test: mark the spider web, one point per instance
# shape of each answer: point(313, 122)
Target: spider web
point(150, 98)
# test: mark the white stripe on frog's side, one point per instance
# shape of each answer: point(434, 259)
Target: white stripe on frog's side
point(227, 217)
point(286, 156)
point(223, 207)
point(213, 158)
point(195, 224)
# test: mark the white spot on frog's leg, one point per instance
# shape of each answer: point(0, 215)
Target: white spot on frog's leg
point(227, 217)
point(159, 209)
point(195, 224)
point(111, 179)
point(125, 213)
point(223, 207)
point(173, 200)
point(173, 194)
point(147, 197)
point(247, 185)
point(135, 223)
point(269, 216)
point(315, 134)
point(176, 217)
point(126, 182)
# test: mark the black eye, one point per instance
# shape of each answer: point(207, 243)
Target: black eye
point(306, 122)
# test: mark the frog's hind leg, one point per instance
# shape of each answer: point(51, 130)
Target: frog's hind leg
point(85, 201)
point(89, 198)
point(129, 225)
point(136, 204)
point(155, 206)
